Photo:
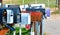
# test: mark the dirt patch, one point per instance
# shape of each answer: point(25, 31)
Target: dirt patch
point(55, 17)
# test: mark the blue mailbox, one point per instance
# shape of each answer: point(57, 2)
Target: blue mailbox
point(3, 18)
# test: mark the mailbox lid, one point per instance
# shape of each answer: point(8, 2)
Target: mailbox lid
point(9, 16)
point(35, 9)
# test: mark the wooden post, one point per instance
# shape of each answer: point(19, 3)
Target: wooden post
point(37, 16)
point(35, 28)
point(58, 4)
point(41, 28)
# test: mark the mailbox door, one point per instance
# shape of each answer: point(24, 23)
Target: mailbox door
point(36, 16)
point(9, 16)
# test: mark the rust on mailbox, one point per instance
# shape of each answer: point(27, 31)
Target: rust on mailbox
point(36, 16)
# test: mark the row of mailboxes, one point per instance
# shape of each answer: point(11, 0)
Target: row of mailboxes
point(14, 13)
point(13, 16)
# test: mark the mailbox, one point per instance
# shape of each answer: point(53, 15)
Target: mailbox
point(10, 15)
point(37, 14)
point(36, 9)
point(6, 17)
point(25, 18)
point(16, 12)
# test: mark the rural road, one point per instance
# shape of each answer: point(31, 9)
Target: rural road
point(52, 25)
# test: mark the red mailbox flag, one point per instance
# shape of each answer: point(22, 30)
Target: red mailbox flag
point(27, 26)
point(36, 16)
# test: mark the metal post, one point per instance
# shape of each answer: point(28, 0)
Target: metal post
point(43, 27)
point(37, 28)
point(20, 29)
point(32, 29)
point(14, 32)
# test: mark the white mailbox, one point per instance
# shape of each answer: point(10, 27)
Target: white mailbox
point(25, 18)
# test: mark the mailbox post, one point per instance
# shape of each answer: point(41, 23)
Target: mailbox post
point(37, 14)
point(37, 17)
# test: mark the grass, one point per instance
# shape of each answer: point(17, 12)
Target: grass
point(24, 31)
point(17, 29)
point(56, 12)
point(52, 3)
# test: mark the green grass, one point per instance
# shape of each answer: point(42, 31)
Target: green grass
point(52, 3)
point(56, 12)
point(24, 31)
point(17, 29)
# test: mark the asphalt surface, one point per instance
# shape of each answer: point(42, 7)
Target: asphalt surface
point(52, 25)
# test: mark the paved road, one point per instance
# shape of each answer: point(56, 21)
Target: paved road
point(52, 25)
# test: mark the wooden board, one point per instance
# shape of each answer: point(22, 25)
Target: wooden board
point(36, 16)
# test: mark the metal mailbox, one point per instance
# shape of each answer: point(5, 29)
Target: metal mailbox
point(25, 18)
